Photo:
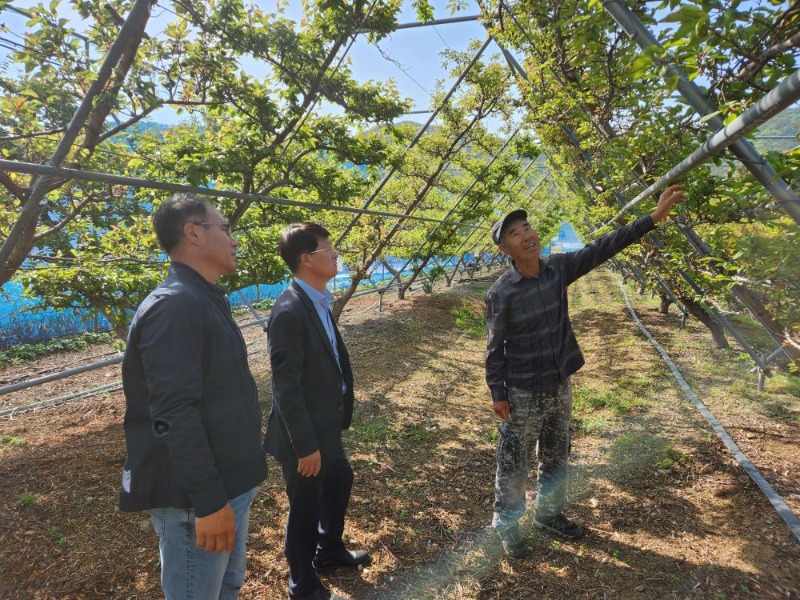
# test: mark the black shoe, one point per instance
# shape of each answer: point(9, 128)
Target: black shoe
point(560, 525)
point(514, 542)
point(322, 593)
point(346, 560)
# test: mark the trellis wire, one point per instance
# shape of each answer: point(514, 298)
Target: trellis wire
point(414, 141)
point(32, 168)
point(506, 204)
point(455, 205)
point(419, 197)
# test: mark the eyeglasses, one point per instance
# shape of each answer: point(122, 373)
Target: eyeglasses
point(333, 251)
point(226, 227)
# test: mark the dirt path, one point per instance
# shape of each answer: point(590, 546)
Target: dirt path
point(669, 513)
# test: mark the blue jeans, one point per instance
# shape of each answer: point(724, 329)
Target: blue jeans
point(191, 573)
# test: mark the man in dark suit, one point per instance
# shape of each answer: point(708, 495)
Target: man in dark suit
point(312, 402)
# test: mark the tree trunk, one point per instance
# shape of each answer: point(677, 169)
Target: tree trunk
point(19, 252)
point(698, 312)
point(663, 305)
point(750, 299)
point(753, 302)
point(401, 290)
point(105, 102)
point(22, 242)
point(419, 197)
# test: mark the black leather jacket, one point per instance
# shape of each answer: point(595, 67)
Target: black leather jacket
point(192, 419)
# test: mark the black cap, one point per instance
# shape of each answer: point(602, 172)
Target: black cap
point(505, 221)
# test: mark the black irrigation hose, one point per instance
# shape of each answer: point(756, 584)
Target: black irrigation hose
point(774, 498)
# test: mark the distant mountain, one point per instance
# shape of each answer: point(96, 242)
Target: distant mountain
point(786, 123)
point(144, 126)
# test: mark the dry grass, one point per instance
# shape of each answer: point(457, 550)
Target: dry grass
point(668, 511)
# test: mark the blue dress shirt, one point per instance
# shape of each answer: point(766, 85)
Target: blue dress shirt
point(322, 302)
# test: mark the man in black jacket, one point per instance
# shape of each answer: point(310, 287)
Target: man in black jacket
point(531, 353)
point(312, 402)
point(192, 420)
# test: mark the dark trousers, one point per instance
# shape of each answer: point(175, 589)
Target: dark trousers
point(317, 506)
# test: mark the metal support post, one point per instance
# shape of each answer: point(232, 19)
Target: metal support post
point(466, 19)
point(32, 205)
point(779, 98)
point(416, 139)
point(453, 208)
point(742, 149)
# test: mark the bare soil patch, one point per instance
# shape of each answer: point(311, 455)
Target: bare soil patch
point(669, 513)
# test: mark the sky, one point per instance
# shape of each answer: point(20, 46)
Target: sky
point(416, 51)
point(415, 68)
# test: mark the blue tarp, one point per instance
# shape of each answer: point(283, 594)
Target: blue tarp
point(20, 325)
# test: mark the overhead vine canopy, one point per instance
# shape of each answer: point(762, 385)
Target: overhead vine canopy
point(556, 109)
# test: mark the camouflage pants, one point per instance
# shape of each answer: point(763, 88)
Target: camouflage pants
point(539, 426)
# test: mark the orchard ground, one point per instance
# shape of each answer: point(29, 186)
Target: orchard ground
point(669, 513)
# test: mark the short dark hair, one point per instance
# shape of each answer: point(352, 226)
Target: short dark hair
point(173, 214)
point(297, 239)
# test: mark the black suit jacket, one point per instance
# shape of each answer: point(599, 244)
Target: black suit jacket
point(309, 410)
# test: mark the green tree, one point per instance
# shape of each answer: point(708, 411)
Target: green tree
point(257, 136)
point(587, 83)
